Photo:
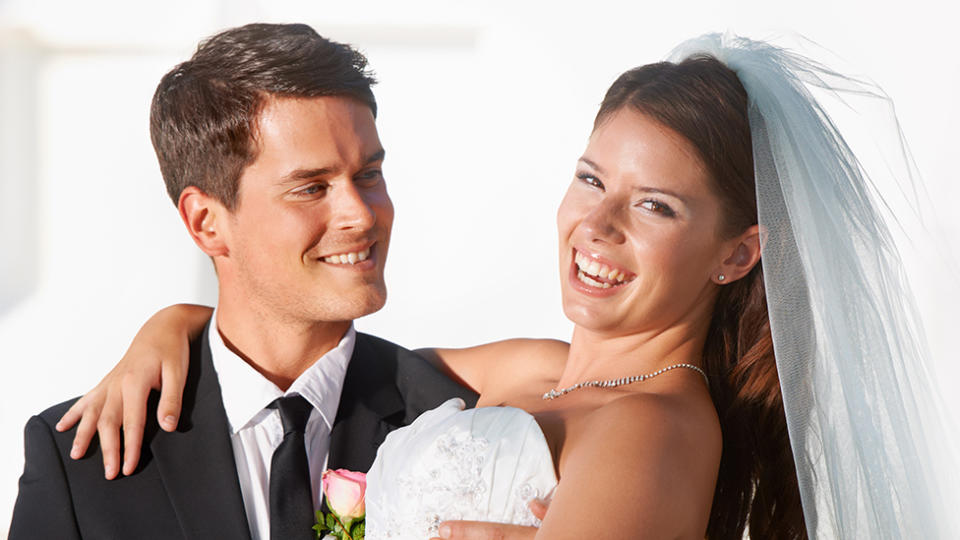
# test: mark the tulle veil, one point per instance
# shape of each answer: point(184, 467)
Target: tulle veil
point(871, 441)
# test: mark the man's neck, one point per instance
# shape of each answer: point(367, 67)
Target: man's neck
point(279, 350)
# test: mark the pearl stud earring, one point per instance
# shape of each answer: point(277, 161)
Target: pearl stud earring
point(721, 277)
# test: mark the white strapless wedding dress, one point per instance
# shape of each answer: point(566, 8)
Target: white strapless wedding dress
point(481, 464)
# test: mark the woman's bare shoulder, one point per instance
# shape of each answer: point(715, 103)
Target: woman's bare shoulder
point(662, 454)
point(681, 417)
point(516, 346)
point(680, 431)
point(482, 366)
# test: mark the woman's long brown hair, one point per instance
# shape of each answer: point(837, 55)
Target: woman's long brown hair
point(703, 101)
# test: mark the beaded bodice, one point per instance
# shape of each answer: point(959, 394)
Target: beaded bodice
point(478, 464)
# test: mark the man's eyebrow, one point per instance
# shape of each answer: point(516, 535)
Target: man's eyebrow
point(306, 174)
point(376, 156)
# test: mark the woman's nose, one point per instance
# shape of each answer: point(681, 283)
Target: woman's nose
point(603, 224)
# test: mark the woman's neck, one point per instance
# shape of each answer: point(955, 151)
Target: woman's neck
point(600, 355)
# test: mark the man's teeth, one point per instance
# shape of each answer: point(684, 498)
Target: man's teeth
point(348, 258)
point(590, 267)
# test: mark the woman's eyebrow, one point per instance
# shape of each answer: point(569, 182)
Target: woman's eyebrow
point(592, 165)
point(650, 189)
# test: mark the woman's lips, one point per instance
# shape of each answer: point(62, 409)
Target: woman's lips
point(601, 271)
point(596, 276)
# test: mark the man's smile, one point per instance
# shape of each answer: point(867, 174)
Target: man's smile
point(349, 257)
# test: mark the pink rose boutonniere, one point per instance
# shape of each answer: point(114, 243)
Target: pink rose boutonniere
point(344, 491)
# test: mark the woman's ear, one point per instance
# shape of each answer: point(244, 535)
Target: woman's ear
point(205, 218)
point(743, 253)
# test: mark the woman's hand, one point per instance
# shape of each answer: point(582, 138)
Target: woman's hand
point(481, 530)
point(157, 359)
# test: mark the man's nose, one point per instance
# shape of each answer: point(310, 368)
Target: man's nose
point(351, 210)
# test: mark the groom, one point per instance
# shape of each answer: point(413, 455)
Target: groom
point(267, 144)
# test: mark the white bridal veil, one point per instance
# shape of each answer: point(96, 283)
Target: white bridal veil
point(868, 434)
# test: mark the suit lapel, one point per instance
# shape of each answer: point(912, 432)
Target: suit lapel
point(370, 407)
point(196, 462)
point(386, 387)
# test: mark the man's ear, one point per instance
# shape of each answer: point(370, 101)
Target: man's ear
point(743, 254)
point(206, 220)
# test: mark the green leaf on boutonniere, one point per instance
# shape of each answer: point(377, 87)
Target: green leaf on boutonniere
point(330, 524)
point(320, 526)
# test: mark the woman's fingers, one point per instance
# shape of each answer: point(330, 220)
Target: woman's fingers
point(173, 376)
point(89, 410)
point(108, 427)
point(538, 508)
point(134, 417)
point(479, 530)
point(73, 414)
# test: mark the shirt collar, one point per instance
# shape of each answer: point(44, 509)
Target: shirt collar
point(246, 393)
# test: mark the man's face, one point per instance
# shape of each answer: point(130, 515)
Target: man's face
point(307, 240)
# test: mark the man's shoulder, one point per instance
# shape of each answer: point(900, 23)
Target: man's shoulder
point(70, 498)
point(48, 448)
point(422, 385)
point(51, 415)
point(390, 356)
point(379, 343)
point(393, 358)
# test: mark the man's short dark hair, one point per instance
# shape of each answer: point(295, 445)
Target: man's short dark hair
point(203, 120)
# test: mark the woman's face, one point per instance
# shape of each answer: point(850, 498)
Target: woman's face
point(640, 231)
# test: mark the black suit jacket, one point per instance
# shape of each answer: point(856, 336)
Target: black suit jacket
point(186, 483)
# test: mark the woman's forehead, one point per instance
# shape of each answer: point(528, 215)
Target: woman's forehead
point(629, 143)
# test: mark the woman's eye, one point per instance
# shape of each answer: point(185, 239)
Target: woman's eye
point(590, 179)
point(657, 207)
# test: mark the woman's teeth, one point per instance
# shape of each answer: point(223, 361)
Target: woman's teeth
point(592, 282)
point(348, 258)
point(589, 269)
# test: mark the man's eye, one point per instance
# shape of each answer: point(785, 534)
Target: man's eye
point(590, 180)
point(657, 207)
point(312, 189)
point(370, 177)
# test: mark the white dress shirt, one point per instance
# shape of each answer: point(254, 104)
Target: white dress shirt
point(256, 431)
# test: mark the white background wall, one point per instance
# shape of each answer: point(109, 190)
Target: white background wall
point(484, 111)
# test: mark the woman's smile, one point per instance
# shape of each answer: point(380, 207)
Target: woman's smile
point(596, 275)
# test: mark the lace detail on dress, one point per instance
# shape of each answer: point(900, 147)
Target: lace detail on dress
point(479, 464)
point(521, 511)
point(449, 489)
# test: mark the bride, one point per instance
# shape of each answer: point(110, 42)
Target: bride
point(704, 391)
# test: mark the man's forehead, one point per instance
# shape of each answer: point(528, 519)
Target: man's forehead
point(329, 124)
point(305, 138)
point(333, 107)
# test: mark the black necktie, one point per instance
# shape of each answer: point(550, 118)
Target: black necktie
point(291, 500)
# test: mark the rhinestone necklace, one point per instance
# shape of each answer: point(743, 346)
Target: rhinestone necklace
point(612, 383)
